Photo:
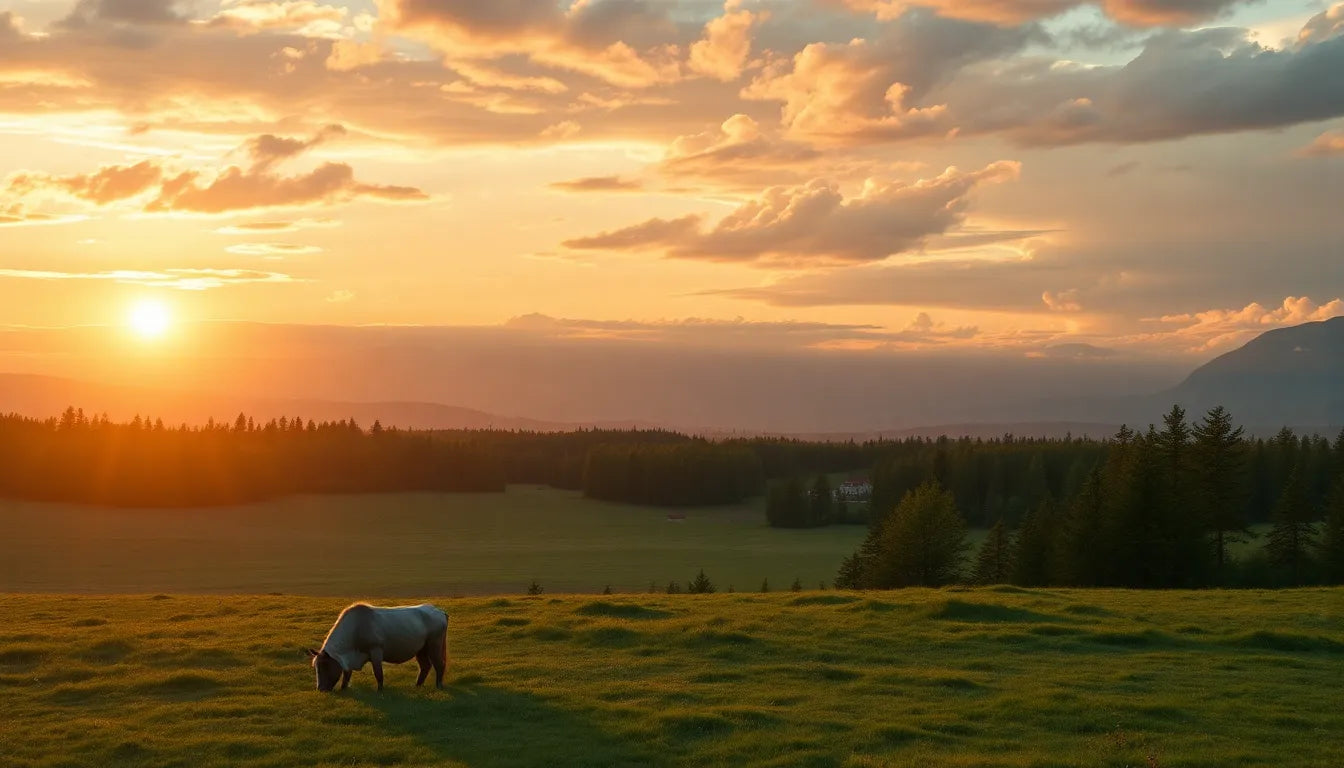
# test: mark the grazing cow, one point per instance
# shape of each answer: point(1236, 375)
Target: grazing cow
point(367, 633)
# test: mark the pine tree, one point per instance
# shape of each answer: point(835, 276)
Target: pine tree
point(534, 588)
point(1332, 537)
point(994, 564)
point(1086, 546)
point(700, 585)
point(1289, 540)
point(797, 585)
point(1220, 465)
point(673, 588)
point(1035, 545)
point(765, 585)
point(1181, 531)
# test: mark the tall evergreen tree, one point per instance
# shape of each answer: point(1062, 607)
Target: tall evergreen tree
point(921, 543)
point(1180, 527)
point(1085, 543)
point(1220, 466)
point(1035, 546)
point(701, 584)
point(994, 563)
point(1332, 535)
point(1289, 542)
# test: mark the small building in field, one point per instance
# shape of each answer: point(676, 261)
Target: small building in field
point(854, 489)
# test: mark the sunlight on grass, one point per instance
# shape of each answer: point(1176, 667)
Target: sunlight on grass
point(989, 677)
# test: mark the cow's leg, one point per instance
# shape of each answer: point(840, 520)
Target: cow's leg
point(376, 659)
point(345, 679)
point(438, 655)
point(422, 657)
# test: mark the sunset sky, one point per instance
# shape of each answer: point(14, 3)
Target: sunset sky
point(1040, 177)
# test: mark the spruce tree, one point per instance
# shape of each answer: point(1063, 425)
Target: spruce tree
point(1085, 543)
point(765, 585)
point(700, 585)
point(1034, 552)
point(1332, 537)
point(994, 564)
point(1220, 466)
point(797, 585)
point(1181, 529)
point(534, 588)
point(1290, 538)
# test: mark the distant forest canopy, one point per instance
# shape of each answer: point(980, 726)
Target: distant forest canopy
point(78, 458)
point(1156, 509)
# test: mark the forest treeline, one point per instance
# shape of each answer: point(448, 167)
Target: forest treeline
point(81, 459)
point(1155, 509)
point(661, 467)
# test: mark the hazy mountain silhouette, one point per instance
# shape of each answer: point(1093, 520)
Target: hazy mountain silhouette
point(43, 396)
point(1288, 376)
point(446, 378)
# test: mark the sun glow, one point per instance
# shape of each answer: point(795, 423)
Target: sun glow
point(149, 319)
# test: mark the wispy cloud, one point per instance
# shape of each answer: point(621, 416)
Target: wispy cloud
point(180, 279)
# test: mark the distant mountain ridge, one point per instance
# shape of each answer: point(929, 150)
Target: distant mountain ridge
point(44, 396)
point(1284, 377)
point(1287, 376)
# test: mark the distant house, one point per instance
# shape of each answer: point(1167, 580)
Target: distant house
point(854, 489)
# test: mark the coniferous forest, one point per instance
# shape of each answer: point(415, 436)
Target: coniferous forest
point(1165, 507)
point(1152, 509)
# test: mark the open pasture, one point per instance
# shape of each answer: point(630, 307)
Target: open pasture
point(406, 544)
point(983, 677)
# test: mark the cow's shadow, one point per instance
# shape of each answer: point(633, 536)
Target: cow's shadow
point(485, 726)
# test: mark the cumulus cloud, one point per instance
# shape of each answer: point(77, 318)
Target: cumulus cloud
point(180, 279)
point(624, 43)
point(723, 52)
point(1323, 26)
point(235, 189)
point(230, 189)
point(106, 185)
point(1328, 143)
point(1216, 328)
point(268, 150)
point(871, 90)
point(598, 184)
point(11, 26)
point(308, 17)
point(87, 13)
point(1181, 84)
point(814, 222)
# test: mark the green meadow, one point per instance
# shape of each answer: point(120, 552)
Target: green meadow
point(959, 677)
point(406, 545)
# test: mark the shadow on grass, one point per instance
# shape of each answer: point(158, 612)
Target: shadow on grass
point(483, 726)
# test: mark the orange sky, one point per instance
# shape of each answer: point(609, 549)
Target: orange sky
point(1130, 178)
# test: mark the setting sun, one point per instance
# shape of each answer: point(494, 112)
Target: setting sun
point(149, 319)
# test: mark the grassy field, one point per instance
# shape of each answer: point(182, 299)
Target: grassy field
point(991, 677)
point(405, 544)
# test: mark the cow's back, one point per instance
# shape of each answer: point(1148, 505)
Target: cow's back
point(404, 630)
